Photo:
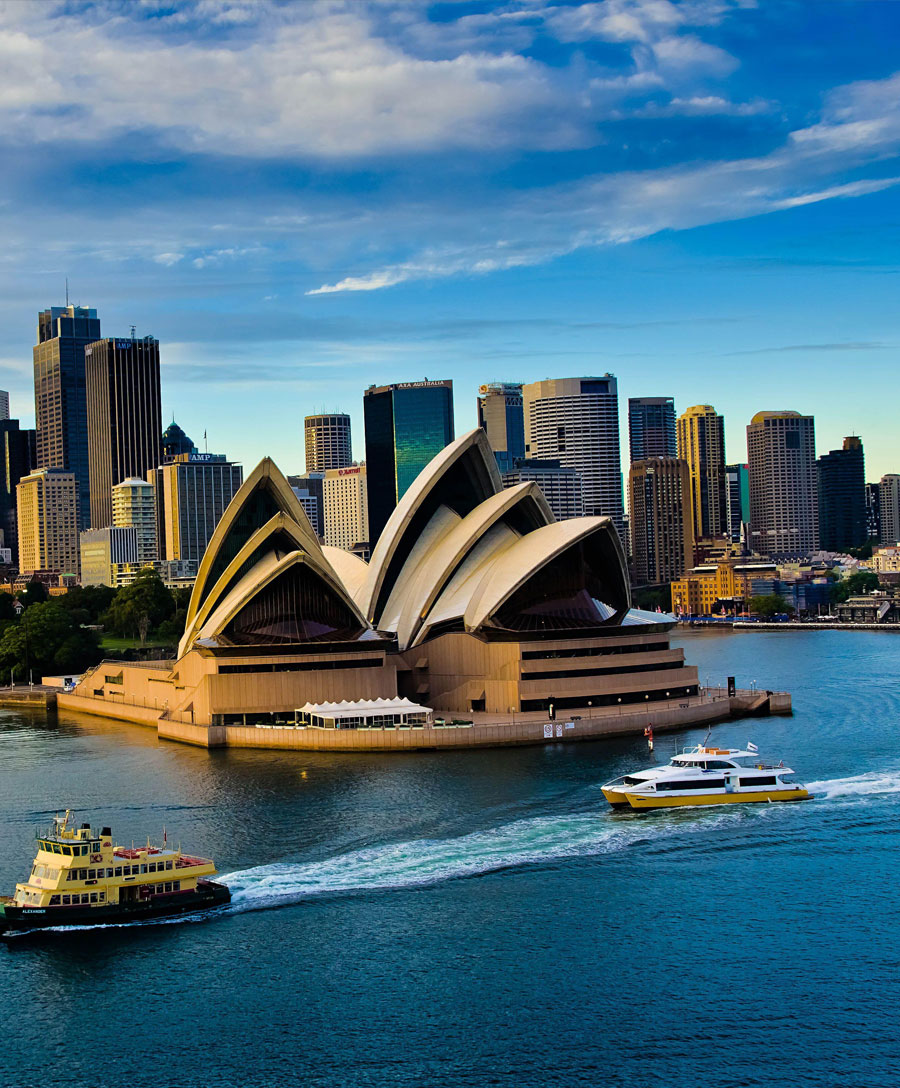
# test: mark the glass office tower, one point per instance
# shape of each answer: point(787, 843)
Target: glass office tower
point(406, 425)
point(60, 405)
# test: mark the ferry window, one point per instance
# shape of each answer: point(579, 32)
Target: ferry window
point(168, 864)
point(84, 898)
point(93, 897)
point(72, 873)
point(57, 849)
point(66, 900)
point(102, 896)
point(84, 850)
point(82, 874)
point(143, 868)
point(118, 870)
point(168, 886)
point(152, 867)
point(54, 900)
point(109, 872)
point(176, 885)
point(690, 784)
point(95, 846)
point(91, 874)
point(127, 870)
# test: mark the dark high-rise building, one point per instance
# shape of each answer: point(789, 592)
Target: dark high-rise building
point(841, 478)
point(124, 416)
point(502, 416)
point(175, 443)
point(659, 504)
point(310, 491)
point(737, 499)
point(59, 394)
point(18, 457)
point(651, 427)
point(873, 511)
point(406, 425)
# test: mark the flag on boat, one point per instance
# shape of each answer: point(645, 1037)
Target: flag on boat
point(751, 747)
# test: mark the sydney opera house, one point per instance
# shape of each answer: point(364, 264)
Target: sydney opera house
point(477, 609)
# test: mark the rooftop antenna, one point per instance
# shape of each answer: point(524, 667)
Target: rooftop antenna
point(67, 292)
point(133, 328)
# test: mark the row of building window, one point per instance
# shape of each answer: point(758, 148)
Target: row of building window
point(305, 666)
point(594, 651)
point(606, 699)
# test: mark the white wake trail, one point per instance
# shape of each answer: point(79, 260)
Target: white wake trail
point(431, 861)
point(870, 784)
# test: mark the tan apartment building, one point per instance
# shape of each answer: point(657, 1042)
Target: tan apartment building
point(701, 443)
point(345, 506)
point(47, 505)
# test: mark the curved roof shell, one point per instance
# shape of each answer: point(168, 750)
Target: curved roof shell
point(460, 477)
point(520, 563)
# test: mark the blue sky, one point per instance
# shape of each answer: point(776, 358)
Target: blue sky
point(301, 199)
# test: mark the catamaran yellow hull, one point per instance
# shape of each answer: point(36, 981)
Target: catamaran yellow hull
point(615, 797)
point(715, 799)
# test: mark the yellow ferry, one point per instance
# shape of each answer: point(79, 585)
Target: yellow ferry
point(706, 776)
point(80, 878)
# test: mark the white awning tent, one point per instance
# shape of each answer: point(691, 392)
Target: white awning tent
point(365, 714)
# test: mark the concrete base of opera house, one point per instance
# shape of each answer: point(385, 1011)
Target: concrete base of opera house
point(485, 731)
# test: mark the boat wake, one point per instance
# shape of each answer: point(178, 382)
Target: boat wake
point(871, 784)
point(534, 841)
point(424, 862)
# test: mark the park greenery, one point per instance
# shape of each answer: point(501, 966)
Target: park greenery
point(63, 635)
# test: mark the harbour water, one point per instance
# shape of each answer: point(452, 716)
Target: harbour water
point(482, 918)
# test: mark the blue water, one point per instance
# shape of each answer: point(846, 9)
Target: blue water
point(482, 918)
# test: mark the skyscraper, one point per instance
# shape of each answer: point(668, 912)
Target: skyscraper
point(192, 493)
point(327, 441)
point(175, 443)
point(873, 512)
point(701, 442)
point(310, 491)
point(4, 404)
point(346, 513)
point(59, 394)
point(651, 428)
point(781, 454)
point(660, 520)
point(18, 456)
point(47, 502)
point(134, 507)
point(889, 493)
point(841, 478)
point(124, 416)
point(576, 421)
point(501, 414)
point(406, 425)
point(737, 499)
point(561, 486)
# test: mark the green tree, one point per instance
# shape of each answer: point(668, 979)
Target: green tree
point(769, 606)
point(34, 593)
point(862, 581)
point(142, 606)
point(88, 602)
point(7, 609)
point(46, 640)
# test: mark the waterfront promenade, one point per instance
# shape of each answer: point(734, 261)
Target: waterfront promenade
point(481, 730)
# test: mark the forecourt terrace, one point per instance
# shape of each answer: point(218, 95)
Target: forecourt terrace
point(476, 604)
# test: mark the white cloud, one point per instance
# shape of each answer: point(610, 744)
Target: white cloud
point(168, 259)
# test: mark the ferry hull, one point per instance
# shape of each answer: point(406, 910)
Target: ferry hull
point(705, 799)
point(20, 919)
point(615, 797)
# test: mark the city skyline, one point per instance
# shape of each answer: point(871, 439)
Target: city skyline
point(284, 257)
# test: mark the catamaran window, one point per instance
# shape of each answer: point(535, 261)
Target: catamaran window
point(766, 780)
point(717, 765)
point(691, 784)
point(631, 781)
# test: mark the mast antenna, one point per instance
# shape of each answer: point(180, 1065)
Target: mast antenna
point(67, 292)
